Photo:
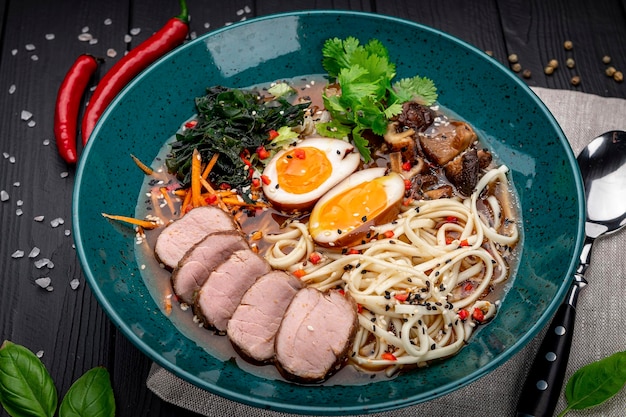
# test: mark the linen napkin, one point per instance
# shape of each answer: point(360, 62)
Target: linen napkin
point(599, 330)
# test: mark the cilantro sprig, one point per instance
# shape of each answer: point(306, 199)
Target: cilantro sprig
point(369, 98)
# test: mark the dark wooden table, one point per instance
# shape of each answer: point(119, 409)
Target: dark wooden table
point(40, 40)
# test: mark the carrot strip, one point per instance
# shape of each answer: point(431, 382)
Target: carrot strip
point(212, 191)
point(145, 168)
point(210, 165)
point(168, 200)
point(180, 192)
point(195, 179)
point(236, 202)
point(146, 224)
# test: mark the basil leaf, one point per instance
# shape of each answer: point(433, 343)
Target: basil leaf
point(90, 395)
point(595, 383)
point(26, 388)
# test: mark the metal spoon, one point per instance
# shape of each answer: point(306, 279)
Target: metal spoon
point(603, 167)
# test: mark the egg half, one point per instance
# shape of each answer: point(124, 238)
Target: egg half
point(344, 215)
point(295, 178)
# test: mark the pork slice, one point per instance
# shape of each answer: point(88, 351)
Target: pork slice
point(197, 264)
point(179, 236)
point(253, 326)
point(219, 296)
point(316, 334)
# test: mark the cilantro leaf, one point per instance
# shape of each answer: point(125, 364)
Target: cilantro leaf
point(368, 99)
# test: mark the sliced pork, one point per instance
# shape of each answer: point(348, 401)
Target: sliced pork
point(315, 335)
point(179, 236)
point(197, 264)
point(253, 326)
point(219, 296)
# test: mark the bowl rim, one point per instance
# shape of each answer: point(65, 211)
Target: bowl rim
point(270, 403)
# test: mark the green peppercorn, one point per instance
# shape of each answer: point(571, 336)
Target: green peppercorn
point(568, 45)
point(606, 59)
point(618, 76)
point(516, 67)
point(548, 70)
point(553, 63)
point(526, 73)
point(513, 58)
point(575, 80)
point(570, 63)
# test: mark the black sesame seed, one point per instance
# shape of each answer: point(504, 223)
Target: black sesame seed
point(433, 346)
point(364, 219)
point(338, 231)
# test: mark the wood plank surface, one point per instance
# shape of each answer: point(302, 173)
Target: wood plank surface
point(40, 40)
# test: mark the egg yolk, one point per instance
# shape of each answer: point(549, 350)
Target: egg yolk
point(352, 208)
point(302, 170)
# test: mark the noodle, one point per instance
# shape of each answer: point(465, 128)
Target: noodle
point(444, 256)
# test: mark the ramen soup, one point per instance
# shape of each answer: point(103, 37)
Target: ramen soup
point(420, 240)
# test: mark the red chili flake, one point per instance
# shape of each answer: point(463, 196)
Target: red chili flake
point(342, 291)
point(478, 314)
point(191, 123)
point(299, 153)
point(464, 242)
point(388, 234)
point(407, 184)
point(402, 297)
point(452, 219)
point(468, 287)
point(266, 180)
point(315, 258)
point(388, 356)
point(359, 308)
point(299, 273)
point(463, 314)
point(262, 152)
point(256, 182)
point(224, 186)
point(211, 199)
point(353, 251)
point(407, 201)
point(273, 134)
point(406, 166)
point(449, 240)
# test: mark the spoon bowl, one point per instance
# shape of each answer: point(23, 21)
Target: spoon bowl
point(603, 167)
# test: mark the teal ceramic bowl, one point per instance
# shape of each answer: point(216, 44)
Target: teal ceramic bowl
point(514, 123)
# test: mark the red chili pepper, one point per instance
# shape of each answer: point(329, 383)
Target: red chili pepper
point(388, 234)
point(407, 184)
point(299, 153)
point(262, 152)
point(315, 258)
point(273, 134)
point(406, 166)
point(299, 273)
point(452, 219)
point(463, 314)
point(353, 251)
point(266, 180)
point(211, 199)
point(388, 356)
point(256, 182)
point(478, 314)
point(167, 38)
point(464, 242)
point(402, 297)
point(191, 123)
point(67, 105)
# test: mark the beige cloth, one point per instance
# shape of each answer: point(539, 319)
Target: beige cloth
point(600, 313)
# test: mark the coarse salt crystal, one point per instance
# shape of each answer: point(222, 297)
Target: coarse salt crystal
point(49, 289)
point(19, 203)
point(4, 196)
point(67, 232)
point(25, 115)
point(74, 283)
point(40, 263)
point(310, 328)
point(5, 154)
point(108, 21)
point(12, 89)
point(39, 354)
point(85, 37)
point(247, 9)
point(207, 25)
point(34, 57)
point(127, 38)
point(34, 252)
point(43, 282)
point(240, 12)
point(50, 36)
point(93, 41)
point(85, 29)
point(12, 159)
point(56, 222)
point(13, 52)
point(38, 218)
point(17, 254)
point(31, 123)
point(46, 142)
point(111, 53)
point(30, 47)
point(135, 31)
point(64, 174)
point(16, 184)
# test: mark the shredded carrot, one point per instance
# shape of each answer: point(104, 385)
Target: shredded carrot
point(168, 200)
point(146, 224)
point(236, 202)
point(186, 203)
point(210, 165)
point(145, 168)
point(212, 192)
point(180, 192)
point(196, 162)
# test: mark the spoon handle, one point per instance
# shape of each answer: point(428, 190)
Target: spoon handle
point(545, 379)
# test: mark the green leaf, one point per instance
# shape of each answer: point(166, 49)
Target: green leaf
point(416, 88)
point(595, 383)
point(26, 388)
point(91, 395)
